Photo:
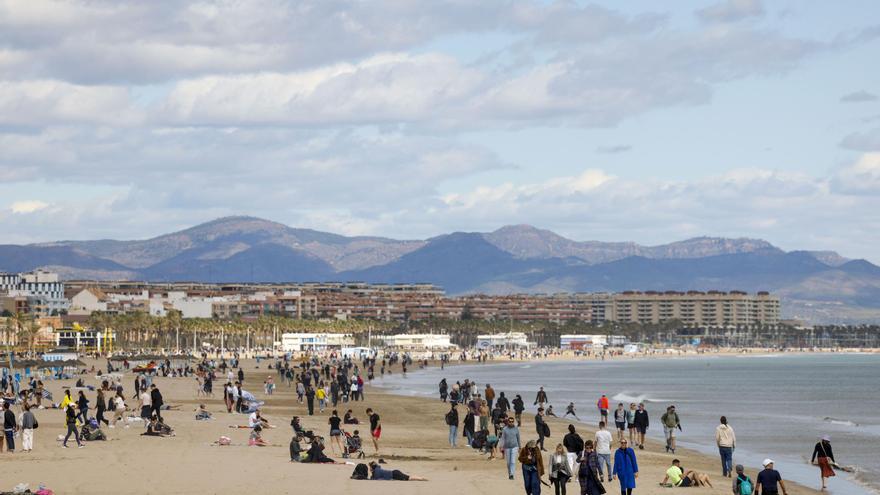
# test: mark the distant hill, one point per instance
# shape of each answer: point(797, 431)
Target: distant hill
point(819, 286)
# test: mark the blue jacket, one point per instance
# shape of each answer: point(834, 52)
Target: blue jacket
point(625, 467)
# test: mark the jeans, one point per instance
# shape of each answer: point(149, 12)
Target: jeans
point(604, 459)
point(453, 435)
point(470, 437)
point(510, 456)
point(531, 481)
point(541, 439)
point(10, 439)
point(726, 459)
point(71, 429)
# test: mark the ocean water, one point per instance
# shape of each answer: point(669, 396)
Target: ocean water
point(779, 405)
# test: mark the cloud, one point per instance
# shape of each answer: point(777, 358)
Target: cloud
point(862, 177)
point(858, 97)
point(863, 141)
point(614, 149)
point(24, 207)
point(731, 11)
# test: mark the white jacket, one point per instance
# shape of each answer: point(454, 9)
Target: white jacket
point(724, 436)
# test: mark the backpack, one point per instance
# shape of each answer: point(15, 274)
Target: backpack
point(745, 486)
point(449, 419)
point(361, 472)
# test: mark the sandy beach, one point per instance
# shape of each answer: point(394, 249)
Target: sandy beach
point(414, 440)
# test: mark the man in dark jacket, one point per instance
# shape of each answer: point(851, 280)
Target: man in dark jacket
point(574, 445)
point(541, 398)
point(540, 427)
point(156, 401)
point(641, 422)
point(518, 408)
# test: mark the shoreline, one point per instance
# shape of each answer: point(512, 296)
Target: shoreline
point(414, 440)
point(694, 449)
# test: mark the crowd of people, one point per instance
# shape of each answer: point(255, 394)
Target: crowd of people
point(492, 425)
point(490, 420)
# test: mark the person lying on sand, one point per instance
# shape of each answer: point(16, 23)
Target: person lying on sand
point(379, 473)
point(677, 477)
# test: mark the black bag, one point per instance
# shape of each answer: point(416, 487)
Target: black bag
point(36, 423)
point(361, 472)
point(546, 430)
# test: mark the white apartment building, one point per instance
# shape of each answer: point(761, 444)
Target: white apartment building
point(296, 342)
point(44, 291)
point(510, 340)
point(419, 341)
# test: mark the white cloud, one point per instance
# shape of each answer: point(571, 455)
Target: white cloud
point(24, 207)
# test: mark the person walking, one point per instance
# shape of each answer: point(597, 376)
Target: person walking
point(444, 389)
point(532, 468)
point(518, 408)
point(100, 407)
point(602, 406)
point(670, 422)
point(541, 398)
point(452, 421)
point(560, 472)
point(310, 400)
point(742, 484)
point(510, 444)
point(725, 438)
point(626, 469)
point(588, 471)
point(82, 403)
point(375, 428)
point(541, 427)
point(631, 424)
point(769, 481)
point(28, 424)
point(641, 421)
point(70, 415)
point(157, 401)
point(489, 395)
point(574, 445)
point(603, 451)
point(823, 456)
point(10, 426)
point(620, 421)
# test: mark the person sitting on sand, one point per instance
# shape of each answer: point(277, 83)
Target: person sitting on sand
point(316, 452)
point(154, 429)
point(256, 438)
point(202, 414)
point(379, 473)
point(296, 449)
point(349, 418)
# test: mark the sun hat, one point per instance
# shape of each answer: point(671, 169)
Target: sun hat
point(767, 462)
point(826, 438)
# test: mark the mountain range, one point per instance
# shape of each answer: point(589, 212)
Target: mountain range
point(816, 286)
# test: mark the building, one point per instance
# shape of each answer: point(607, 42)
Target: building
point(418, 341)
point(693, 308)
point(43, 290)
point(87, 301)
point(597, 341)
point(296, 342)
point(510, 340)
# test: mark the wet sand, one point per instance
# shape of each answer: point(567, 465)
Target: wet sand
point(414, 440)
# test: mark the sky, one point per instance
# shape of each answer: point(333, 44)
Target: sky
point(615, 121)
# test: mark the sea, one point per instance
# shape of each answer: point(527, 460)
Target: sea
point(779, 405)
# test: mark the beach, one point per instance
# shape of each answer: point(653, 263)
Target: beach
point(414, 440)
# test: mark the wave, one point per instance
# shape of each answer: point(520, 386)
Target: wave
point(626, 398)
point(840, 422)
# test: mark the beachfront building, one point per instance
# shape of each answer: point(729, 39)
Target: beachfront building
point(419, 341)
point(38, 292)
point(693, 308)
point(296, 342)
point(510, 340)
point(580, 342)
point(79, 338)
